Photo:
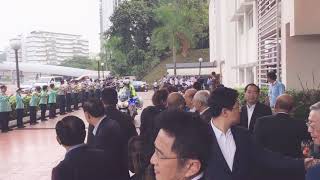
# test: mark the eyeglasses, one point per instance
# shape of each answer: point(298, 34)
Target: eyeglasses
point(161, 156)
point(308, 124)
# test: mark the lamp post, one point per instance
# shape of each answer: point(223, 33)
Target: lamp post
point(16, 45)
point(200, 61)
point(102, 69)
point(98, 61)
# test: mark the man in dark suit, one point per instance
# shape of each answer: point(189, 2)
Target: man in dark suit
point(253, 109)
point(314, 130)
point(281, 133)
point(109, 99)
point(81, 162)
point(234, 154)
point(107, 135)
point(200, 102)
point(181, 152)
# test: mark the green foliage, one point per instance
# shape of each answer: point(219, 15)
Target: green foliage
point(302, 102)
point(143, 31)
point(81, 63)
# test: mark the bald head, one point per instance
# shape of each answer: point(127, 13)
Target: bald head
point(284, 103)
point(188, 96)
point(176, 101)
point(200, 100)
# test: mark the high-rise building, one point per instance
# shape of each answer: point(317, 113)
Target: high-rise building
point(50, 47)
point(107, 7)
point(249, 38)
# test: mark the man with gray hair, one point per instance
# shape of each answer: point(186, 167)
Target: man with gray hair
point(200, 103)
point(314, 130)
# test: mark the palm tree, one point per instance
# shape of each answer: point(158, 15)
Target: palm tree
point(173, 28)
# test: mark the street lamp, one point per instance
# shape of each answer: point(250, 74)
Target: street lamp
point(98, 61)
point(102, 69)
point(16, 45)
point(200, 61)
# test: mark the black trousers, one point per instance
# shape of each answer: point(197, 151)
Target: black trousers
point(43, 108)
point(76, 101)
point(52, 110)
point(20, 117)
point(91, 93)
point(86, 96)
point(4, 118)
point(83, 94)
point(62, 103)
point(33, 114)
point(68, 102)
point(98, 93)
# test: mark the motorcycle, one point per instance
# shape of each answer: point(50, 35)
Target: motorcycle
point(129, 105)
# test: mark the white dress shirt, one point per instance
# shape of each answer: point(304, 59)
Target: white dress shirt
point(94, 132)
point(204, 110)
point(250, 110)
point(226, 144)
point(198, 177)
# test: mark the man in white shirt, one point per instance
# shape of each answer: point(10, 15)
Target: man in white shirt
point(253, 109)
point(234, 154)
point(181, 152)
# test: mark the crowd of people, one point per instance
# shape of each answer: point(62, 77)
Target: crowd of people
point(195, 135)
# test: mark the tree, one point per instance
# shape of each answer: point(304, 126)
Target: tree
point(133, 21)
point(80, 62)
point(173, 30)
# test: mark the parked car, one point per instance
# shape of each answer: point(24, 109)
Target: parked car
point(140, 86)
point(56, 80)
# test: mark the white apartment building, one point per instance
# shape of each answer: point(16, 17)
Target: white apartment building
point(50, 47)
point(249, 38)
point(107, 7)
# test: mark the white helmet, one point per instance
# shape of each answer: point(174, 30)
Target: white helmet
point(126, 81)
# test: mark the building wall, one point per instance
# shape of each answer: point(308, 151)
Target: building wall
point(50, 48)
point(300, 46)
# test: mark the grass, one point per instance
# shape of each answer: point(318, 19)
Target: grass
point(160, 70)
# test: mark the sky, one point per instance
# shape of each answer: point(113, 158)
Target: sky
point(64, 16)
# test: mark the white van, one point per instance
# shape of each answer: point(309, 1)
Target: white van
point(56, 80)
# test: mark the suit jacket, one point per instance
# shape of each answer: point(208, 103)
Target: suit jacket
point(260, 110)
point(206, 116)
point(247, 156)
point(83, 163)
point(125, 121)
point(283, 134)
point(110, 139)
point(313, 173)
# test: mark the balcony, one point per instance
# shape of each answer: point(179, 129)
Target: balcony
point(240, 8)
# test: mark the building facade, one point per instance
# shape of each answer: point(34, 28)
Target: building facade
point(50, 47)
point(249, 38)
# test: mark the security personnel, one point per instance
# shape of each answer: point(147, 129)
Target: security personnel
point(52, 101)
point(43, 102)
point(33, 105)
point(76, 91)
point(19, 108)
point(62, 98)
point(5, 109)
point(68, 97)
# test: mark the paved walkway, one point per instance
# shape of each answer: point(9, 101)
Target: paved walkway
point(31, 153)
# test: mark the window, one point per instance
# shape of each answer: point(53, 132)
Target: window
point(250, 19)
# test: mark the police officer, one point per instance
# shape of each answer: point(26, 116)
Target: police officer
point(68, 97)
point(62, 98)
point(5, 109)
point(19, 108)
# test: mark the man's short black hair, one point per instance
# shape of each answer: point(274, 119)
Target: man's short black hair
point(71, 131)
point(160, 96)
point(252, 84)
point(197, 85)
point(222, 98)
point(94, 107)
point(272, 75)
point(45, 87)
point(109, 96)
point(191, 136)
